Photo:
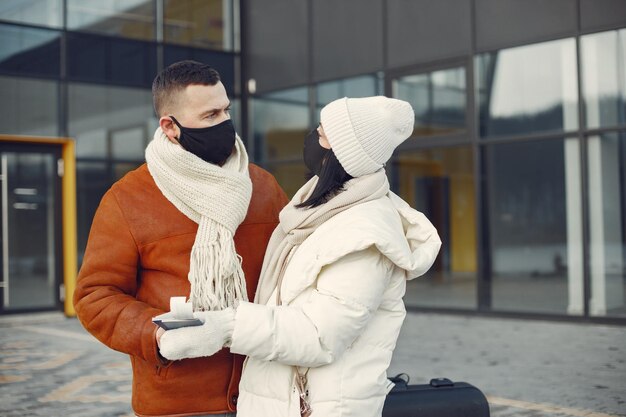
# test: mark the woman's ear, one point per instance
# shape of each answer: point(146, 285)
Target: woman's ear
point(169, 128)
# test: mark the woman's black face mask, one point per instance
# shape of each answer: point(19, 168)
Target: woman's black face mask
point(212, 144)
point(314, 153)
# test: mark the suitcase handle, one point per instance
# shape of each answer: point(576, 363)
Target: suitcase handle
point(402, 381)
point(441, 382)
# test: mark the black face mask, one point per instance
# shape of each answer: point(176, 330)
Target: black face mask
point(212, 144)
point(314, 153)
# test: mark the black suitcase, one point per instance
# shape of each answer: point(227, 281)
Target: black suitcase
point(440, 398)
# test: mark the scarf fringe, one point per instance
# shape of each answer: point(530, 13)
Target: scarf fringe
point(216, 275)
point(192, 186)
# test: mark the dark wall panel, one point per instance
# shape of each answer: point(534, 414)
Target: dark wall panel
point(425, 30)
point(600, 14)
point(275, 43)
point(106, 60)
point(347, 37)
point(504, 23)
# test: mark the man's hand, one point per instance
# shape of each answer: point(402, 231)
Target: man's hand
point(198, 341)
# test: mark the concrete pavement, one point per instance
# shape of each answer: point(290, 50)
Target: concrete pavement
point(49, 366)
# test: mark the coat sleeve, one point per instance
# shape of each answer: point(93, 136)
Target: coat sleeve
point(107, 284)
point(318, 332)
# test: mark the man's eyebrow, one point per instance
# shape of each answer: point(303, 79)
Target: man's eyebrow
point(214, 110)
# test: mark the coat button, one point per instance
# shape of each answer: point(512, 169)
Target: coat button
point(234, 399)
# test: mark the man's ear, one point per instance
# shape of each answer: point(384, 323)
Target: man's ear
point(169, 128)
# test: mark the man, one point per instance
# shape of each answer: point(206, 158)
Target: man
point(193, 221)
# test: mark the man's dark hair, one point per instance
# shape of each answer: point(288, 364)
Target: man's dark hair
point(332, 177)
point(175, 78)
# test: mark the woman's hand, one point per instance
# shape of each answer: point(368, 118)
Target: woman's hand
point(198, 341)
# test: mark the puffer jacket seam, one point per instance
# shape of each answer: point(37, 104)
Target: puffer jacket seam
point(348, 301)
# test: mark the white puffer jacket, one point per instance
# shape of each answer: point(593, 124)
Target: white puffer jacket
point(341, 315)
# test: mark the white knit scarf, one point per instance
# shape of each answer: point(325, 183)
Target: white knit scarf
point(216, 198)
point(296, 224)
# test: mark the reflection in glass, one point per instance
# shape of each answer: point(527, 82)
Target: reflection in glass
point(438, 99)
point(604, 78)
point(280, 122)
point(125, 18)
point(528, 89)
point(440, 183)
point(200, 23)
point(106, 60)
point(28, 51)
point(607, 224)
point(290, 175)
point(235, 116)
point(535, 226)
point(35, 12)
point(100, 117)
point(31, 229)
point(30, 105)
point(364, 86)
point(129, 142)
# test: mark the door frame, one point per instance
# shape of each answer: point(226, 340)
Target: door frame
point(68, 208)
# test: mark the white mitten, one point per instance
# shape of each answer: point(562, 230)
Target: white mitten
point(198, 341)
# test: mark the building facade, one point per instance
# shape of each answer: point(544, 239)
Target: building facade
point(518, 154)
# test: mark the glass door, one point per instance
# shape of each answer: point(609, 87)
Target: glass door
point(30, 227)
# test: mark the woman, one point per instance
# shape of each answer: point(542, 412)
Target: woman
point(328, 308)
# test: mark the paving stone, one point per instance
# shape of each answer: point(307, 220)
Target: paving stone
point(50, 366)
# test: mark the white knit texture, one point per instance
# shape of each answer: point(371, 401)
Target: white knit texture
point(217, 198)
point(199, 341)
point(363, 132)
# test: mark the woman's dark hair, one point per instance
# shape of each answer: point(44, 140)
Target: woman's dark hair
point(332, 177)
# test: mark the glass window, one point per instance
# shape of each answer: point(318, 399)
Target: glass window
point(35, 12)
point(280, 123)
point(129, 142)
point(235, 116)
point(604, 78)
point(364, 86)
point(110, 121)
point(290, 175)
point(201, 23)
point(438, 99)
point(125, 18)
point(440, 183)
point(107, 60)
point(528, 89)
point(534, 221)
point(29, 106)
point(607, 223)
point(28, 51)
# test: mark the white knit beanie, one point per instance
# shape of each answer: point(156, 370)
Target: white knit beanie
point(363, 132)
